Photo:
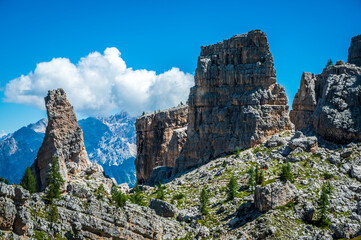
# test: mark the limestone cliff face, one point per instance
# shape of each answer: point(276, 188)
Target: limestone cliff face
point(235, 102)
point(354, 52)
point(330, 102)
point(64, 139)
point(160, 139)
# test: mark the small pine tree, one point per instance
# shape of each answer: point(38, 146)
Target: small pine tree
point(28, 181)
point(232, 188)
point(160, 191)
point(54, 180)
point(259, 176)
point(204, 200)
point(237, 152)
point(286, 173)
point(2, 179)
point(53, 214)
point(143, 113)
point(323, 205)
point(118, 197)
point(252, 178)
point(6, 181)
point(100, 192)
point(137, 197)
point(329, 62)
point(224, 164)
point(181, 103)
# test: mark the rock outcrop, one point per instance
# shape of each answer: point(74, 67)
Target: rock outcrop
point(274, 195)
point(354, 52)
point(160, 139)
point(235, 102)
point(64, 140)
point(330, 102)
point(28, 217)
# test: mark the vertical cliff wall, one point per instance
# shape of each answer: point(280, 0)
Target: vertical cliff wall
point(160, 139)
point(235, 102)
point(354, 52)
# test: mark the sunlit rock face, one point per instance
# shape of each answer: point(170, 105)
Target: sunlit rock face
point(235, 102)
point(330, 103)
point(160, 139)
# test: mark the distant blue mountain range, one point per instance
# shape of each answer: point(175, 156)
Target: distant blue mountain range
point(109, 141)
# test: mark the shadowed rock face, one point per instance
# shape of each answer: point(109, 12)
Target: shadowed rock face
point(235, 102)
point(330, 102)
point(160, 139)
point(354, 52)
point(63, 139)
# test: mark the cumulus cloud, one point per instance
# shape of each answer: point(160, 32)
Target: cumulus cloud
point(101, 83)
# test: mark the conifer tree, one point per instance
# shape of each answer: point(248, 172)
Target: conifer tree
point(259, 176)
point(204, 200)
point(160, 191)
point(237, 152)
point(28, 181)
point(54, 180)
point(232, 188)
point(252, 178)
point(53, 214)
point(323, 205)
point(329, 62)
point(286, 173)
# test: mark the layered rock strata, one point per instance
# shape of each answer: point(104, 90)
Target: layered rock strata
point(354, 52)
point(235, 102)
point(160, 139)
point(330, 102)
point(64, 140)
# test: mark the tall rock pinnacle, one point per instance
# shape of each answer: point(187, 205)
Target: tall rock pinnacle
point(235, 102)
point(63, 139)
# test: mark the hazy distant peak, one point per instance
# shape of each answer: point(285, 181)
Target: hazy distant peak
point(39, 126)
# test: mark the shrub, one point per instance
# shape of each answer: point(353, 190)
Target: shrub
point(286, 173)
point(232, 188)
point(178, 196)
point(100, 192)
point(4, 180)
point(54, 180)
point(204, 201)
point(224, 164)
point(137, 197)
point(329, 62)
point(28, 181)
point(327, 176)
point(143, 113)
point(237, 152)
point(160, 191)
point(251, 179)
point(118, 197)
point(259, 176)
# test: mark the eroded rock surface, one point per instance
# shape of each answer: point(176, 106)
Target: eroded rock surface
point(160, 139)
point(274, 195)
point(330, 103)
point(235, 102)
point(354, 52)
point(64, 140)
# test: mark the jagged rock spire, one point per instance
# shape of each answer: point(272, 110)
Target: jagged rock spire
point(63, 139)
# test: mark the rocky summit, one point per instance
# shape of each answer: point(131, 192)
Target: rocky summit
point(235, 102)
point(330, 103)
point(63, 140)
point(160, 139)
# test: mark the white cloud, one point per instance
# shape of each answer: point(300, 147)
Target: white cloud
point(101, 83)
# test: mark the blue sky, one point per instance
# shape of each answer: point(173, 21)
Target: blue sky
point(161, 35)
